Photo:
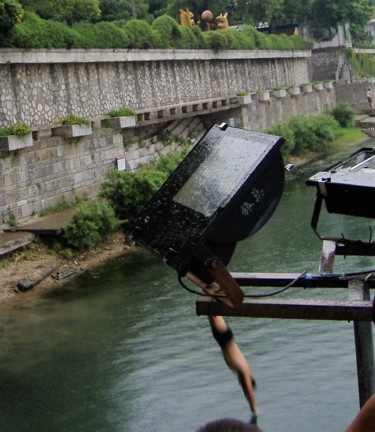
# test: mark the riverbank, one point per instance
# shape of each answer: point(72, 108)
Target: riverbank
point(29, 262)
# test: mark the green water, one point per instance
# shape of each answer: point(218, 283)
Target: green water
point(121, 349)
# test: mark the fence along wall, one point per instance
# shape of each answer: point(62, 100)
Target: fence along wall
point(40, 86)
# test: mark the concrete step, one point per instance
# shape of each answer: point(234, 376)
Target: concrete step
point(52, 224)
point(11, 241)
point(367, 123)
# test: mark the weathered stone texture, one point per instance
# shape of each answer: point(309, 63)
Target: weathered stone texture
point(39, 87)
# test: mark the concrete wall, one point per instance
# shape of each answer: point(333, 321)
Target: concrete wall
point(39, 87)
point(56, 169)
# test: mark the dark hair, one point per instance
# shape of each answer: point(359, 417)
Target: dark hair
point(228, 425)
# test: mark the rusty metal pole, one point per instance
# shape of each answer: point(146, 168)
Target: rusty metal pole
point(359, 291)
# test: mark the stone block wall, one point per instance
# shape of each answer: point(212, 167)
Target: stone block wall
point(39, 87)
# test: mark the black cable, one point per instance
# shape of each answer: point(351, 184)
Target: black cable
point(290, 284)
point(198, 292)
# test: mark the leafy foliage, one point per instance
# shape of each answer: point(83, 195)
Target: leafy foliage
point(68, 11)
point(165, 32)
point(343, 114)
point(284, 130)
point(168, 163)
point(72, 119)
point(91, 224)
point(122, 112)
point(18, 129)
point(141, 34)
point(100, 35)
point(169, 30)
point(363, 64)
point(10, 14)
point(129, 191)
point(305, 133)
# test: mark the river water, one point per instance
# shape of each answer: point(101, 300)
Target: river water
point(120, 348)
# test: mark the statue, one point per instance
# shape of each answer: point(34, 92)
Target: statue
point(187, 17)
point(206, 20)
point(222, 21)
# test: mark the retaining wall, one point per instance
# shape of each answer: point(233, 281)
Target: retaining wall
point(55, 168)
point(41, 86)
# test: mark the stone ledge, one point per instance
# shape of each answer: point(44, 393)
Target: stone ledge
point(23, 56)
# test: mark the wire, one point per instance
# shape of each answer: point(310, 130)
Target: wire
point(290, 284)
point(271, 294)
point(198, 292)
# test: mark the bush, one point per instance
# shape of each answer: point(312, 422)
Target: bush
point(215, 40)
point(101, 35)
point(122, 112)
point(10, 14)
point(168, 163)
point(91, 225)
point(130, 191)
point(243, 40)
point(284, 130)
point(188, 38)
point(343, 114)
point(72, 119)
point(323, 126)
point(30, 33)
point(60, 35)
point(169, 31)
point(199, 39)
point(18, 129)
point(140, 34)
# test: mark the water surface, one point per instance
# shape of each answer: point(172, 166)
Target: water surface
point(120, 348)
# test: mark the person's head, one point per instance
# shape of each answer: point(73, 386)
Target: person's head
point(228, 425)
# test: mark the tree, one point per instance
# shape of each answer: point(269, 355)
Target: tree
point(297, 11)
point(68, 11)
point(10, 13)
point(326, 13)
point(259, 11)
point(157, 7)
point(115, 10)
point(124, 10)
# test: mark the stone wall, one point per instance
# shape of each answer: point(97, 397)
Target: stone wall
point(56, 168)
point(39, 87)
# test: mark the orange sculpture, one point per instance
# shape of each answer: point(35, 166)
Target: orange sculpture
point(186, 17)
point(222, 21)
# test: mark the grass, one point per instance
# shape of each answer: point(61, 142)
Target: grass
point(348, 135)
point(57, 208)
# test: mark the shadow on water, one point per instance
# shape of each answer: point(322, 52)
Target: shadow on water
point(121, 349)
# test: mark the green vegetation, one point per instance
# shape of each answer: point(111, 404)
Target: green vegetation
point(74, 120)
point(165, 32)
point(129, 191)
point(364, 64)
point(63, 205)
point(17, 129)
point(122, 112)
point(10, 14)
point(305, 134)
point(343, 114)
point(348, 135)
point(91, 225)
